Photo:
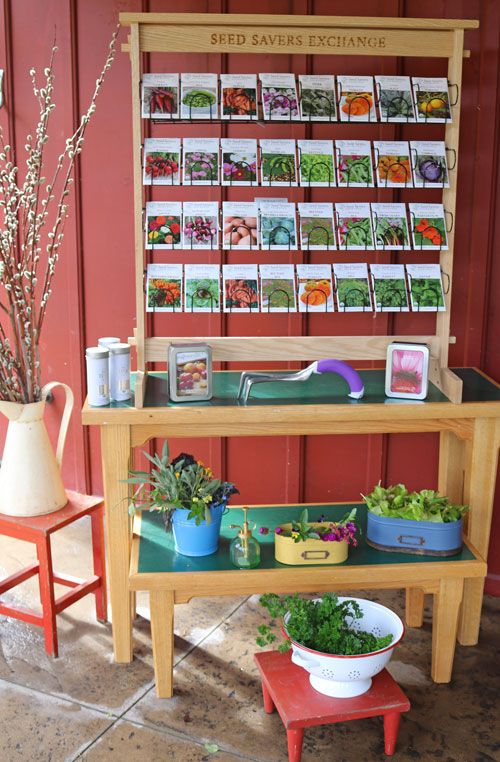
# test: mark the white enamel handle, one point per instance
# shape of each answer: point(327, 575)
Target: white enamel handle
point(68, 409)
point(310, 666)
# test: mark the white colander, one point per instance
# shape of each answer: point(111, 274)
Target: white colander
point(348, 676)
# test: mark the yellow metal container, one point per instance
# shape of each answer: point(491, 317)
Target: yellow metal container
point(312, 551)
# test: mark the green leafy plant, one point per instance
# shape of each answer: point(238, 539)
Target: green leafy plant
point(332, 531)
point(325, 625)
point(316, 168)
point(427, 292)
point(316, 102)
point(278, 167)
point(390, 292)
point(353, 292)
point(426, 505)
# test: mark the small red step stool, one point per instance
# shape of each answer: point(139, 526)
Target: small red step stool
point(286, 687)
point(38, 530)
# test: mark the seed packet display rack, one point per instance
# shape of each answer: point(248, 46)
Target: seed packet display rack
point(260, 34)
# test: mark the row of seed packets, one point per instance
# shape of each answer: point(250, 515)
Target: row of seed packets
point(280, 288)
point(351, 99)
point(310, 163)
point(271, 224)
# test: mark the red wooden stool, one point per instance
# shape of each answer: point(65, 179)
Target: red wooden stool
point(38, 530)
point(287, 687)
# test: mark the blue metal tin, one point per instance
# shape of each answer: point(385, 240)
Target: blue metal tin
point(420, 537)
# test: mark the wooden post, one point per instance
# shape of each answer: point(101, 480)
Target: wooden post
point(444, 628)
point(161, 604)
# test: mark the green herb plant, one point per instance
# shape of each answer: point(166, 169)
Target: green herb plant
point(427, 505)
point(278, 168)
point(353, 292)
point(427, 292)
point(316, 168)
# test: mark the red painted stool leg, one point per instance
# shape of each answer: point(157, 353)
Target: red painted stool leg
point(391, 727)
point(294, 739)
point(99, 557)
point(47, 595)
point(268, 702)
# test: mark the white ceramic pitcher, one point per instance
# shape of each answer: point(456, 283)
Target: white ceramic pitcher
point(30, 476)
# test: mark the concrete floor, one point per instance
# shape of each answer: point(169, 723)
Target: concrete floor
point(83, 706)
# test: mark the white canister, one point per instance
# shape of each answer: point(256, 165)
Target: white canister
point(97, 376)
point(119, 372)
point(106, 341)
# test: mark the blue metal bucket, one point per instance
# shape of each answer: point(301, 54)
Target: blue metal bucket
point(421, 537)
point(201, 540)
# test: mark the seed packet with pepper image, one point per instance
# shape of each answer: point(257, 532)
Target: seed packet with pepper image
point(160, 96)
point(164, 288)
point(278, 229)
point(389, 288)
point(316, 167)
point(356, 99)
point(199, 96)
point(241, 292)
point(315, 289)
point(432, 99)
point(430, 168)
point(390, 226)
point(395, 102)
point(239, 225)
point(426, 288)
point(238, 96)
point(352, 287)
point(201, 161)
point(317, 231)
point(354, 226)
point(354, 163)
point(428, 226)
point(278, 162)
point(277, 288)
point(393, 164)
point(162, 161)
point(239, 161)
point(163, 224)
point(279, 97)
point(317, 98)
point(200, 225)
point(201, 288)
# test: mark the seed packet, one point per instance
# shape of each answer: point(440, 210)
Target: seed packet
point(430, 168)
point(389, 288)
point(238, 96)
point(241, 292)
point(426, 288)
point(395, 102)
point(201, 288)
point(239, 161)
point(317, 98)
point(160, 96)
point(428, 226)
point(164, 288)
point(315, 288)
point(390, 226)
point(201, 161)
point(277, 288)
point(199, 96)
point(278, 162)
point(279, 97)
point(354, 163)
point(356, 99)
point(352, 287)
point(163, 224)
point(432, 99)
point(317, 230)
point(354, 226)
point(200, 226)
point(277, 226)
point(316, 165)
point(393, 164)
point(162, 161)
point(239, 225)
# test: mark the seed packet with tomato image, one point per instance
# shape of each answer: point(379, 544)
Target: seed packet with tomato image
point(240, 289)
point(430, 168)
point(199, 96)
point(160, 96)
point(356, 99)
point(317, 98)
point(390, 226)
point(201, 161)
point(162, 161)
point(428, 226)
point(163, 224)
point(164, 288)
point(201, 288)
point(352, 287)
point(239, 225)
point(354, 163)
point(316, 167)
point(432, 99)
point(279, 97)
point(200, 225)
point(317, 230)
point(395, 102)
point(315, 289)
point(393, 164)
point(426, 288)
point(389, 288)
point(277, 288)
point(354, 226)
point(239, 161)
point(239, 96)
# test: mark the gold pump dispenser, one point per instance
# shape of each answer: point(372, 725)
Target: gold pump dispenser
point(244, 550)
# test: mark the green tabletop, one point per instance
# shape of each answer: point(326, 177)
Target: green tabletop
point(157, 553)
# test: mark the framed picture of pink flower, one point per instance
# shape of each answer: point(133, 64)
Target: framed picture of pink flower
point(407, 370)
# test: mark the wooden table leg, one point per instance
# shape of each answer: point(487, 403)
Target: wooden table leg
point(161, 605)
point(391, 728)
point(99, 563)
point(268, 701)
point(444, 627)
point(414, 607)
point(294, 740)
point(46, 577)
point(115, 446)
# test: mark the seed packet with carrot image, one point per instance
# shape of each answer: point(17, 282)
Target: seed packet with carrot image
point(352, 288)
point(278, 162)
point(354, 226)
point(390, 226)
point(201, 288)
point(277, 288)
point(200, 226)
point(430, 168)
point(317, 98)
point(162, 161)
point(239, 225)
point(316, 168)
point(239, 161)
point(160, 96)
point(163, 224)
point(199, 96)
point(432, 99)
point(428, 226)
point(238, 96)
point(389, 288)
point(164, 288)
point(240, 289)
point(395, 102)
point(201, 161)
point(354, 163)
point(393, 164)
point(356, 99)
point(426, 288)
point(315, 289)
point(317, 230)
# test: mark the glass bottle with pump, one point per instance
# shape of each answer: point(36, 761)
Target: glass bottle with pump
point(244, 550)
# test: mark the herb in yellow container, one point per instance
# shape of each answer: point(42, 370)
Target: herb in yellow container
point(301, 542)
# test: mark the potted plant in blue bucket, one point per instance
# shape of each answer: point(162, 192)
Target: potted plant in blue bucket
point(190, 498)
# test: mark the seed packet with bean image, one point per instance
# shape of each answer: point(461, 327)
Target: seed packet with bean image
point(395, 102)
point(430, 168)
point(354, 163)
point(426, 288)
point(200, 226)
point(239, 225)
point(164, 288)
point(390, 226)
point(354, 226)
point(317, 98)
point(356, 99)
point(240, 288)
point(199, 96)
point(239, 96)
point(317, 230)
point(278, 162)
point(393, 164)
point(160, 96)
point(277, 288)
point(315, 288)
point(352, 287)
point(201, 161)
point(201, 288)
point(389, 288)
point(163, 224)
point(278, 229)
point(316, 167)
point(279, 97)
point(162, 161)
point(432, 99)
point(239, 161)
point(428, 227)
